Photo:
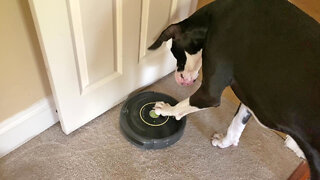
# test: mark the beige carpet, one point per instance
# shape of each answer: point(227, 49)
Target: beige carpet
point(99, 151)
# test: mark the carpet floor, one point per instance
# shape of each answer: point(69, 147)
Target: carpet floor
point(99, 151)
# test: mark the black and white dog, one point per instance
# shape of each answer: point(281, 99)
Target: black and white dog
point(268, 51)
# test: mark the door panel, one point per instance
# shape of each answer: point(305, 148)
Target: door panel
point(91, 50)
point(152, 21)
point(94, 26)
point(97, 19)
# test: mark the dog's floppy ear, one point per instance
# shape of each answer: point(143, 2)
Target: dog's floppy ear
point(173, 31)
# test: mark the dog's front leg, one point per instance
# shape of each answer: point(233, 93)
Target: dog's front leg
point(208, 95)
point(178, 111)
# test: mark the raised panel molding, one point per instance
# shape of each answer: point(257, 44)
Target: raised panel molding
point(80, 48)
point(147, 35)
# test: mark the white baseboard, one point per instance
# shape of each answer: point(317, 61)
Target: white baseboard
point(23, 126)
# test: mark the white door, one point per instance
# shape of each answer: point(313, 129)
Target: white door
point(96, 53)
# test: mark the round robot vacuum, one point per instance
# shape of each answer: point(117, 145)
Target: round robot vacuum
point(144, 128)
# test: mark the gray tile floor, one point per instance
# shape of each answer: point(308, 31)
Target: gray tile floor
point(99, 151)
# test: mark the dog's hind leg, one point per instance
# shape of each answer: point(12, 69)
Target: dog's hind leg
point(235, 129)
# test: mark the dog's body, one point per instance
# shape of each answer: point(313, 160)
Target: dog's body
point(268, 51)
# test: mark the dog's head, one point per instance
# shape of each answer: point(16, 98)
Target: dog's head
point(186, 46)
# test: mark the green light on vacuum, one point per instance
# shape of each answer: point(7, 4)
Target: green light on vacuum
point(153, 114)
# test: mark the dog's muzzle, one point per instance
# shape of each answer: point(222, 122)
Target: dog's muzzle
point(184, 80)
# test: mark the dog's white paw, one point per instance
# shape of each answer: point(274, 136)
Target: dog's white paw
point(162, 108)
point(165, 109)
point(222, 141)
